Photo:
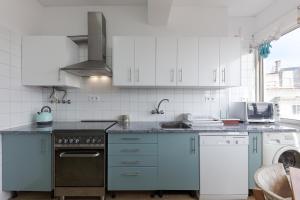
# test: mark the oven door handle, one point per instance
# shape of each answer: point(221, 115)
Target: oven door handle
point(79, 155)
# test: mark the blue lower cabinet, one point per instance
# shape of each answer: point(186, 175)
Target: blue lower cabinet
point(254, 156)
point(132, 149)
point(132, 178)
point(132, 161)
point(27, 162)
point(178, 159)
point(166, 161)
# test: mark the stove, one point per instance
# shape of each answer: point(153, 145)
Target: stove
point(79, 160)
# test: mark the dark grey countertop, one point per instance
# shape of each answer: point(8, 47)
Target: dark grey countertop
point(150, 127)
point(58, 126)
point(144, 127)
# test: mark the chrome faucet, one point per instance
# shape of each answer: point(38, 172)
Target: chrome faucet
point(156, 110)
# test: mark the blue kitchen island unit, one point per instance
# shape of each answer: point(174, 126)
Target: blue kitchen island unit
point(27, 162)
point(153, 161)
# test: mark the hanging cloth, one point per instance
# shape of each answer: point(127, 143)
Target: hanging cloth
point(264, 49)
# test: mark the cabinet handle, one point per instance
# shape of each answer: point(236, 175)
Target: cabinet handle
point(130, 79)
point(137, 76)
point(223, 75)
point(59, 73)
point(215, 75)
point(193, 145)
point(180, 75)
point(130, 162)
point(172, 75)
point(131, 174)
point(130, 150)
point(255, 144)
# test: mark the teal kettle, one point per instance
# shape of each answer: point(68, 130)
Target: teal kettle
point(44, 117)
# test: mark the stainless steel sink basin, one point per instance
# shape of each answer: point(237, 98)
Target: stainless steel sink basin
point(174, 125)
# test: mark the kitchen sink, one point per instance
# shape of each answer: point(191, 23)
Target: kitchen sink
point(174, 125)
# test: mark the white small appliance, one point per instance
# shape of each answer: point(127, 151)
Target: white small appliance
point(255, 112)
point(283, 147)
point(224, 166)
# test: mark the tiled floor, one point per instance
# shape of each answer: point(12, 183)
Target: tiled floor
point(120, 196)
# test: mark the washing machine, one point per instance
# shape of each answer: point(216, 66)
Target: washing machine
point(281, 147)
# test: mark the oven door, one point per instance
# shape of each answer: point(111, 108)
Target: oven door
point(79, 167)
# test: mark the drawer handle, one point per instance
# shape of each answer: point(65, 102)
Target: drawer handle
point(130, 162)
point(131, 174)
point(130, 150)
point(130, 138)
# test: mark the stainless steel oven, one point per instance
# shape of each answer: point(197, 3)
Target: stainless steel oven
point(79, 164)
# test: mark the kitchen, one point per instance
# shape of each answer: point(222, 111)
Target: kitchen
point(112, 98)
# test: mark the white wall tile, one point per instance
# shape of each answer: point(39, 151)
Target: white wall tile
point(17, 103)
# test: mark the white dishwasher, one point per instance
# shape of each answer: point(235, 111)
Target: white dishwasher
point(224, 166)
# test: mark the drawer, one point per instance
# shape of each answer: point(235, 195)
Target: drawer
point(132, 138)
point(132, 178)
point(132, 149)
point(132, 161)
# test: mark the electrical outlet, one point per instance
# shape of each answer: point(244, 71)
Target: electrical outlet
point(94, 98)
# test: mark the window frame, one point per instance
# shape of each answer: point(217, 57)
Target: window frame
point(260, 87)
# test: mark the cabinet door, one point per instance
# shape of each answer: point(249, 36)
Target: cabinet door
point(43, 56)
point(166, 61)
point(187, 69)
point(123, 61)
point(209, 58)
point(144, 57)
point(27, 162)
point(178, 160)
point(230, 62)
point(255, 156)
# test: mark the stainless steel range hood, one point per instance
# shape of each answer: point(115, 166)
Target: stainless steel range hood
point(96, 63)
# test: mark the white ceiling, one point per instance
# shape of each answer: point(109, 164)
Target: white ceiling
point(235, 7)
point(91, 2)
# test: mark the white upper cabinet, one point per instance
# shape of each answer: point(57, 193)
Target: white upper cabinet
point(134, 61)
point(123, 61)
point(166, 61)
point(209, 64)
point(144, 61)
point(230, 62)
point(43, 56)
point(182, 62)
point(187, 68)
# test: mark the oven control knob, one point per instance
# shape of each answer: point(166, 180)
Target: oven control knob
point(93, 140)
point(66, 141)
point(59, 141)
point(77, 141)
point(71, 141)
point(99, 141)
point(88, 141)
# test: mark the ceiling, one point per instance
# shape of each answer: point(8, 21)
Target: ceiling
point(92, 2)
point(243, 8)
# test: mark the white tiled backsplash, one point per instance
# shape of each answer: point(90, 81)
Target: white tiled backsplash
point(17, 103)
point(138, 102)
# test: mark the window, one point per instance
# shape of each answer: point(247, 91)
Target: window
point(282, 75)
